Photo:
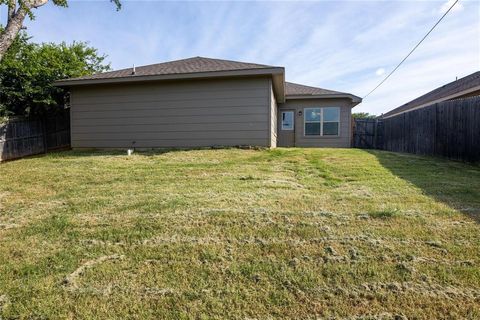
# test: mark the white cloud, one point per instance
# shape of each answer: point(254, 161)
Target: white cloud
point(448, 4)
point(380, 71)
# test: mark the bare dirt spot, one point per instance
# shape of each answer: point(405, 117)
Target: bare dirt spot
point(3, 301)
point(417, 288)
point(343, 240)
point(356, 190)
point(70, 281)
point(148, 291)
point(6, 226)
point(116, 289)
point(379, 316)
point(3, 195)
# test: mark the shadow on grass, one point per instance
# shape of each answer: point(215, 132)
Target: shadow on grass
point(453, 183)
point(108, 152)
point(144, 152)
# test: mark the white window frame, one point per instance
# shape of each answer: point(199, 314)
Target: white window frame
point(293, 120)
point(321, 122)
point(305, 122)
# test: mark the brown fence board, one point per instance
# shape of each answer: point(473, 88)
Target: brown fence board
point(24, 137)
point(364, 133)
point(449, 129)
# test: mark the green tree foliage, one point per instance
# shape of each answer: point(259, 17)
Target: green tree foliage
point(28, 71)
point(363, 115)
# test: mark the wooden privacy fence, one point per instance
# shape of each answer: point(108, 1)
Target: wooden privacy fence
point(449, 129)
point(24, 137)
point(367, 133)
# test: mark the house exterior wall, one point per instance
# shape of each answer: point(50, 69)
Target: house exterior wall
point(196, 113)
point(273, 119)
point(343, 140)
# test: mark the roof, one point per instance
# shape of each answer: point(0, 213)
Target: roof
point(201, 67)
point(190, 65)
point(292, 89)
point(300, 91)
point(191, 68)
point(449, 91)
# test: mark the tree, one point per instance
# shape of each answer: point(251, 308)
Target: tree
point(28, 71)
point(17, 11)
point(363, 115)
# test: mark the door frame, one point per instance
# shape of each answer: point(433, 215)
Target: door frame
point(287, 131)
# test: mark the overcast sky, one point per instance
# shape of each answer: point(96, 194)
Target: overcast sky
point(340, 45)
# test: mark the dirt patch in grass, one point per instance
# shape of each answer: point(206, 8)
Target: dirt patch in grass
point(3, 301)
point(71, 281)
point(417, 288)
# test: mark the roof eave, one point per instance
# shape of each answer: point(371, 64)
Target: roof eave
point(355, 100)
point(180, 76)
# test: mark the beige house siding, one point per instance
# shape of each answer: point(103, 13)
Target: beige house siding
point(226, 112)
point(273, 119)
point(341, 141)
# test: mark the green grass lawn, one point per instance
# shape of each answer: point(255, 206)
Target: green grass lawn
point(285, 233)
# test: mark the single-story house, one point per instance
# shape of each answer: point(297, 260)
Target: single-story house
point(468, 86)
point(200, 102)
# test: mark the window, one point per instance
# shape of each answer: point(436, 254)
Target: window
point(331, 121)
point(313, 117)
point(322, 121)
point(287, 120)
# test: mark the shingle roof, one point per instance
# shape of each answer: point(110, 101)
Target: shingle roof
point(295, 89)
point(202, 67)
point(452, 88)
point(190, 65)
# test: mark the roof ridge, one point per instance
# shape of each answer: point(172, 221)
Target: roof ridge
point(234, 61)
point(188, 65)
point(197, 57)
point(159, 63)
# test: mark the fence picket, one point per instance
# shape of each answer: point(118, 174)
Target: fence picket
point(24, 137)
point(450, 129)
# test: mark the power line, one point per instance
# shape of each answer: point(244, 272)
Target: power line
point(408, 55)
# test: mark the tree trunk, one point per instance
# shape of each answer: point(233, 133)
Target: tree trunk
point(11, 30)
point(12, 6)
point(15, 22)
